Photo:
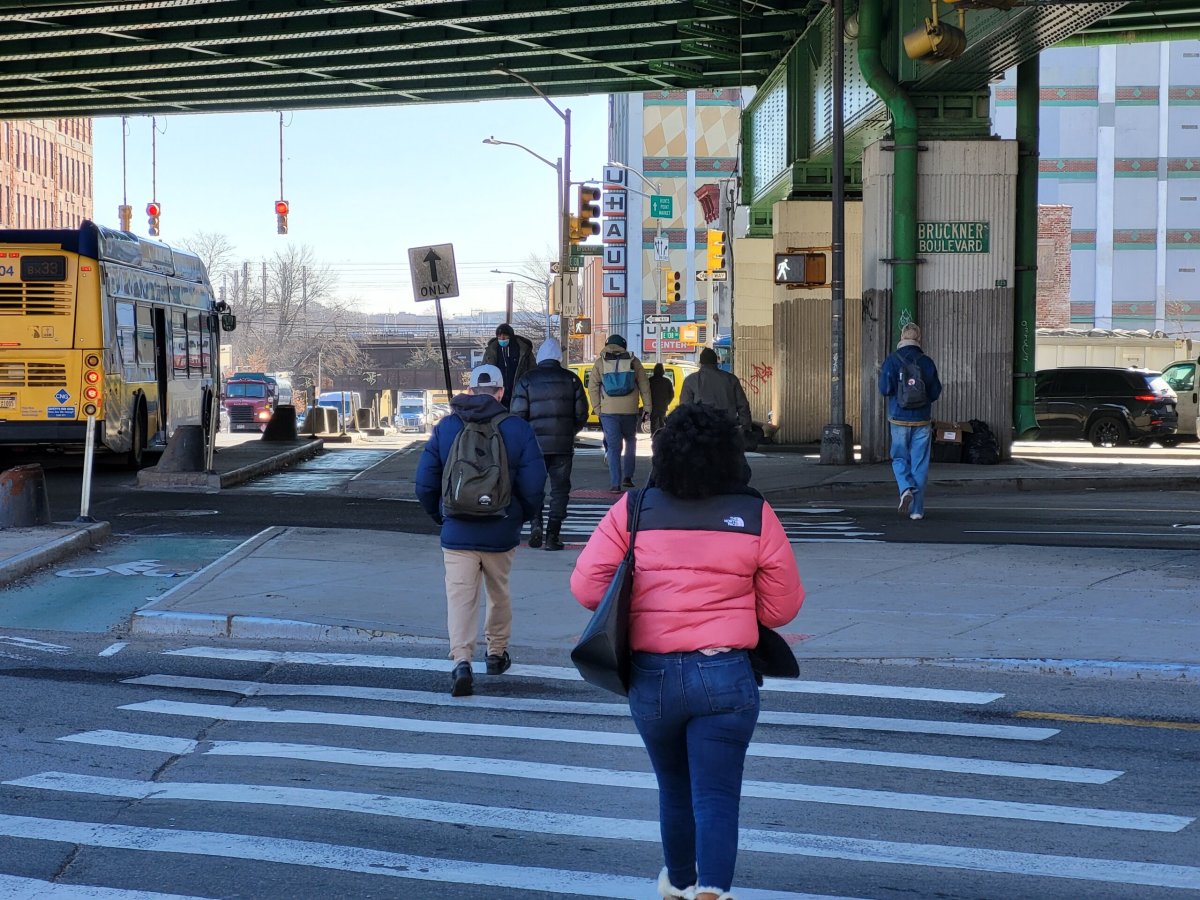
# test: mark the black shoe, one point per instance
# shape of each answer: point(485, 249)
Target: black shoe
point(628, 482)
point(553, 541)
point(498, 665)
point(535, 533)
point(615, 489)
point(461, 680)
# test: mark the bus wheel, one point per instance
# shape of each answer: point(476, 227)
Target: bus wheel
point(137, 449)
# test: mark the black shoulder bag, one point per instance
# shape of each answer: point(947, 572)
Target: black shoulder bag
point(602, 655)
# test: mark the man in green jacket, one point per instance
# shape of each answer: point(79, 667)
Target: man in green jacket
point(716, 387)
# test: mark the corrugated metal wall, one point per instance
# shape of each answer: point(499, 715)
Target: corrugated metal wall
point(804, 354)
point(964, 300)
point(754, 363)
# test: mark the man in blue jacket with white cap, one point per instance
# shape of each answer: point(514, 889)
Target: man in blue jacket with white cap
point(479, 551)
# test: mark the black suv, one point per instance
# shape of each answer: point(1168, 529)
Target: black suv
point(1107, 406)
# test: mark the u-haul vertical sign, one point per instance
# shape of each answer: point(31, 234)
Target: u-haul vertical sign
point(614, 232)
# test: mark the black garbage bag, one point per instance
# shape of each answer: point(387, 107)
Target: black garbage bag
point(980, 445)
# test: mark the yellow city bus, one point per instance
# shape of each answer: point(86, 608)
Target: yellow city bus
point(101, 322)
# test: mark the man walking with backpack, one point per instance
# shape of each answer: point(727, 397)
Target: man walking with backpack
point(909, 380)
point(551, 399)
point(480, 477)
point(615, 386)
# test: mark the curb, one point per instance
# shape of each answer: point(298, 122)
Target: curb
point(150, 622)
point(295, 454)
point(148, 479)
point(1187, 673)
point(1022, 483)
point(22, 564)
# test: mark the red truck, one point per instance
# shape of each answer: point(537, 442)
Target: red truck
point(250, 398)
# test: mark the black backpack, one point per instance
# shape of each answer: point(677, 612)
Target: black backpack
point(910, 388)
point(476, 482)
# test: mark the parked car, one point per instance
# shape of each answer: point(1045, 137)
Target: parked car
point(1107, 406)
point(1181, 378)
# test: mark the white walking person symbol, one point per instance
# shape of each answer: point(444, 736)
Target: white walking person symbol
point(781, 270)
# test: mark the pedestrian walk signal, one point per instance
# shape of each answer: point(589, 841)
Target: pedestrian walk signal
point(581, 327)
point(153, 211)
point(281, 214)
point(673, 292)
point(715, 251)
point(800, 269)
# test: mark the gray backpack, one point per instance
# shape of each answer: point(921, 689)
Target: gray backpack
point(910, 387)
point(476, 482)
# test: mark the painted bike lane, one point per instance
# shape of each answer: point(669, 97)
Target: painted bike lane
point(98, 590)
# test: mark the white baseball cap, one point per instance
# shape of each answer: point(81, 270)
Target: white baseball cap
point(486, 376)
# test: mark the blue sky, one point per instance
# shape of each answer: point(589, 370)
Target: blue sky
point(364, 185)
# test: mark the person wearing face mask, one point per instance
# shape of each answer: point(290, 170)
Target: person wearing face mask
point(512, 355)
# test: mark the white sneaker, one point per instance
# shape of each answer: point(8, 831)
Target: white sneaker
point(917, 517)
point(906, 500)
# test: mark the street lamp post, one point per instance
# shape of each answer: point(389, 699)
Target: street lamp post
point(542, 284)
point(564, 193)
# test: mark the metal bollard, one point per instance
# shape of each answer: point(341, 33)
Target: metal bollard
point(89, 457)
point(24, 500)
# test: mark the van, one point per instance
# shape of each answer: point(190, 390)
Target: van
point(674, 369)
point(345, 402)
point(1181, 378)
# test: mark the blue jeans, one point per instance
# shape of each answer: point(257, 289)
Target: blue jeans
point(696, 715)
point(620, 430)
point(911, 446)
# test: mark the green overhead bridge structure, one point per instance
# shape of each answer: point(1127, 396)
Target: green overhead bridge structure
point(916, 73)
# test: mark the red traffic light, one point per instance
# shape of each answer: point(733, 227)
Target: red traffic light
point(281, 207)
point(153, 209)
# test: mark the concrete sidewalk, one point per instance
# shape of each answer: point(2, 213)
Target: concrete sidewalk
point(1042, 608)
point(1082, 610)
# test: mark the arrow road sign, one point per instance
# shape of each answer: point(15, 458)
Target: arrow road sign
point(657, 320)
point(434, 276)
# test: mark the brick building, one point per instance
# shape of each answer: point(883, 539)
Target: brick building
point(45, 173)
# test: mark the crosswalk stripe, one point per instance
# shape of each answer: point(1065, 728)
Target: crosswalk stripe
point(506, 731)
point(337, 857)
point(562, 673)
point(799, 793)
point(584, 707)
point(355, 859)
point(13, 887)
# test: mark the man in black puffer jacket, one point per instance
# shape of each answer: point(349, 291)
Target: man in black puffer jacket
point(553, 401)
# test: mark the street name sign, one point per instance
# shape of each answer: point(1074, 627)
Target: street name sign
point(953, 237)
point(587, 250)
point(432, 270)
point(661, 206)
point(657, 320)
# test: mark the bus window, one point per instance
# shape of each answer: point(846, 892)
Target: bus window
point(126, 336)
point(179, 345)
point(205, 349)
point(145, 337)
point(194, 343)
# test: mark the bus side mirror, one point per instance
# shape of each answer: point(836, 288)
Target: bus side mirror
point(228, 321)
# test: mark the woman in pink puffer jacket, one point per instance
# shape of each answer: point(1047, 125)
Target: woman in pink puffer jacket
point(712, 561)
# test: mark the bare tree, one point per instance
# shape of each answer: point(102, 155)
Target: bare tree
point(216, 251)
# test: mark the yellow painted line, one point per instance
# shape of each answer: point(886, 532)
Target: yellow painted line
point(1108, 720)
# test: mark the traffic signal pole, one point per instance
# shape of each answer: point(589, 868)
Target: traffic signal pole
point(564, 259)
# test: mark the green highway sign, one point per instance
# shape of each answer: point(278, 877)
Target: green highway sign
point(953, 237)
point(661, 207)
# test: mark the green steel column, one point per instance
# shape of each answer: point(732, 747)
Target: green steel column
point(904, 182)
point(1025, 425)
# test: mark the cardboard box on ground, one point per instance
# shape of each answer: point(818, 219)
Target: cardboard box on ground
point(948, 441)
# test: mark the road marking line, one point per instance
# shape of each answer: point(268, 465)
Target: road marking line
point(474, 814)
point(562, 673)
point(114, 649)
point(14, 887)
point(1108, 720)
point(130, 741)
point(1073, 533)
point(505, 731)
point(583, 707)
point(30, 644)
point(363, 860)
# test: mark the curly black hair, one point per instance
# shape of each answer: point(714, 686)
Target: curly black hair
point(697, 452)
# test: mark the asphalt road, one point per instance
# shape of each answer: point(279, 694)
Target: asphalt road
point(228, 771)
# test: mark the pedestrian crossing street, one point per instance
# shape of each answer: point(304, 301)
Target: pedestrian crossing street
point(538, 786)
point(802, 524)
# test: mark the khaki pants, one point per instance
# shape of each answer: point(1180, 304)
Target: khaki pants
point(466, 572)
